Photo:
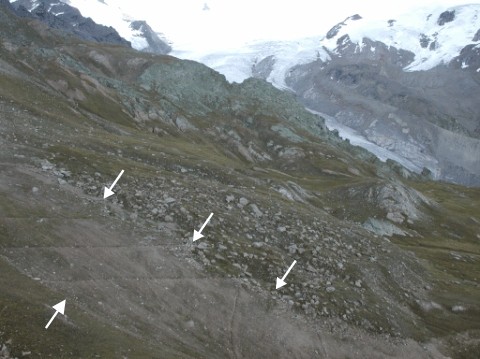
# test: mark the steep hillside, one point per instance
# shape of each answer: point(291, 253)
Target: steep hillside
point(387, 261)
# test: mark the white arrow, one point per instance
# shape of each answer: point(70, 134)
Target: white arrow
point(59, 308)
point(198, 235)
point(108, 191)
point(281, 282)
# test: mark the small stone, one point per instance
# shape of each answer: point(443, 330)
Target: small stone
point(202, 246)
point(229, 198)
point(168, 218)
point(243, 201)
point(190, 324)
point(358, 283)
point(292, 249)
point(47, 165)
point(169, 200)
point(257, 244)
point(65, 173)
point(282, 229)
point(256, 211)
point(61, 181)
point(458, 308)
point(396, 217)
point(330, 289)
point(35, 189)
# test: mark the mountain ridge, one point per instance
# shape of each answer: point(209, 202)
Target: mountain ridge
point(60, 15)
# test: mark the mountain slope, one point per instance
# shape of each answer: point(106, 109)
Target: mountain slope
point(408, 85)
point(391, 86)
point(387, 262)
point(61, 15)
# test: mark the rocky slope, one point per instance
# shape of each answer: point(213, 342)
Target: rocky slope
point(387, 261)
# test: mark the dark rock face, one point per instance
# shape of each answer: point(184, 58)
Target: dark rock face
point(476, 37)
point(59, 15)
point(334, 30)
point(155, 44)
point(263, 68)
point(424, 41)
point(446, 16)
point(5, 3)
point(469, 58)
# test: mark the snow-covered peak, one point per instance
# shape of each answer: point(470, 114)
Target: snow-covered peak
point(435, 36)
